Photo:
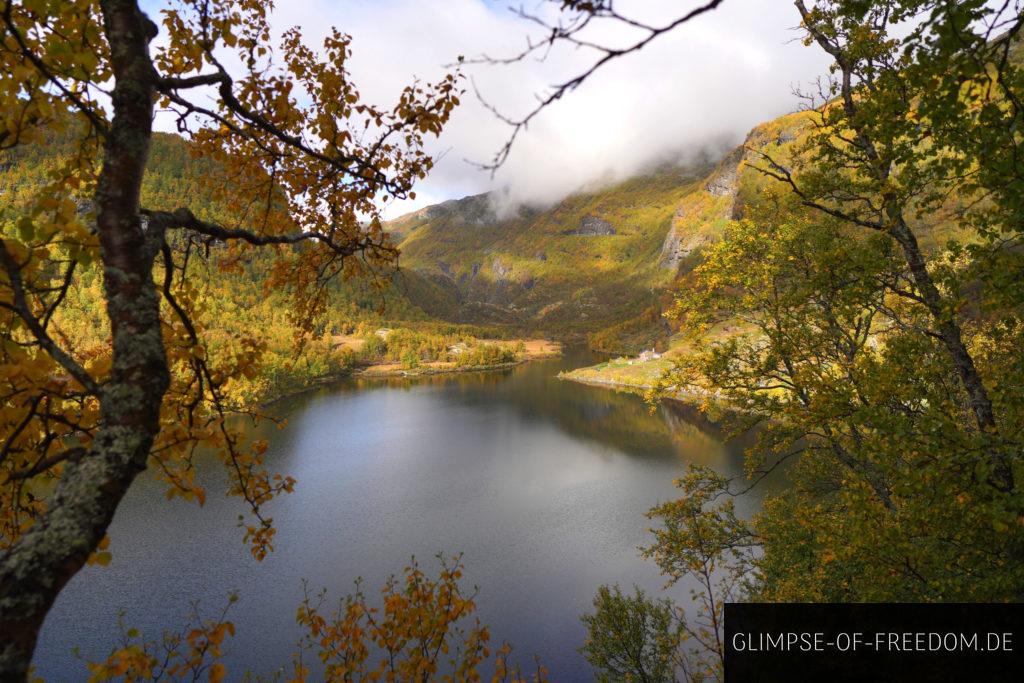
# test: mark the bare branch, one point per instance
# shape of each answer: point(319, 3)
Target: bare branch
point(570, 34)
point(46, 463)
point(784, 175)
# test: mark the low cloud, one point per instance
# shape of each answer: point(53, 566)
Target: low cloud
point(702, 86)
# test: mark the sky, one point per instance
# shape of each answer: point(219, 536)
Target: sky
point(701, 87)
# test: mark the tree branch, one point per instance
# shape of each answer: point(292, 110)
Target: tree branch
point(19, 305)
point(184, 219)
point(568, 34)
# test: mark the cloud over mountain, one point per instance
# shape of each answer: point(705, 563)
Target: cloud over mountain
point(703, 85)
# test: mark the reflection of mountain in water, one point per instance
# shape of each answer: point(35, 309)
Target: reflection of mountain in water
point(613, 419)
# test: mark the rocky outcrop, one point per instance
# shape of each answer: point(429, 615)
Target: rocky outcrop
point(678, 247)
point(592, 226)
point(500, 270)
point(723, 182)
point(477, 211)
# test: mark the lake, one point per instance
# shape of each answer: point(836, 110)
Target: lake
point(542, 485)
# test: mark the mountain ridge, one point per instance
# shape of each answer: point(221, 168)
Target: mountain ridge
point(586, 262)
point(593, 261)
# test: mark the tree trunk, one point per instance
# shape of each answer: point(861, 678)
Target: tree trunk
point(952, 338)
point(40, 563)
point(948, 328)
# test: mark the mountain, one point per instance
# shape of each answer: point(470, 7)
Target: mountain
point(592, 259)
point(599, 263)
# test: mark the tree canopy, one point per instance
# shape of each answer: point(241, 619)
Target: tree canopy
point(301, 165)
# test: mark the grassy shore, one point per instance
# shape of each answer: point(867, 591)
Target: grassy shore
point(531, 349)
point(642, 372)
point(621, 373)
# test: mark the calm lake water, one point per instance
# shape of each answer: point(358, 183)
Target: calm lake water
point(542, 484)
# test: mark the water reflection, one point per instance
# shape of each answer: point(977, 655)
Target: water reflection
point(606, 418)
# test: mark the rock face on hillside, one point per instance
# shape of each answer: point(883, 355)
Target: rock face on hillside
point(592, 226)
point(682, 241)
point(679, 247)
point(500, 270)
point(723, 184)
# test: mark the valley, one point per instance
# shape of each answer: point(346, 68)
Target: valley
point(598, 268)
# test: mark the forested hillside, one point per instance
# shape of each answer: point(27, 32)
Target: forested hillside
point(591, 260)
point(600, 264)
point(236, 304)
point(604, 263)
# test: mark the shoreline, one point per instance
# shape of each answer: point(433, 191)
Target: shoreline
point(384, 371)
point(387, 371)
point(310, 385)
point(612, 384)
point(534, 349)
point(689, 398)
